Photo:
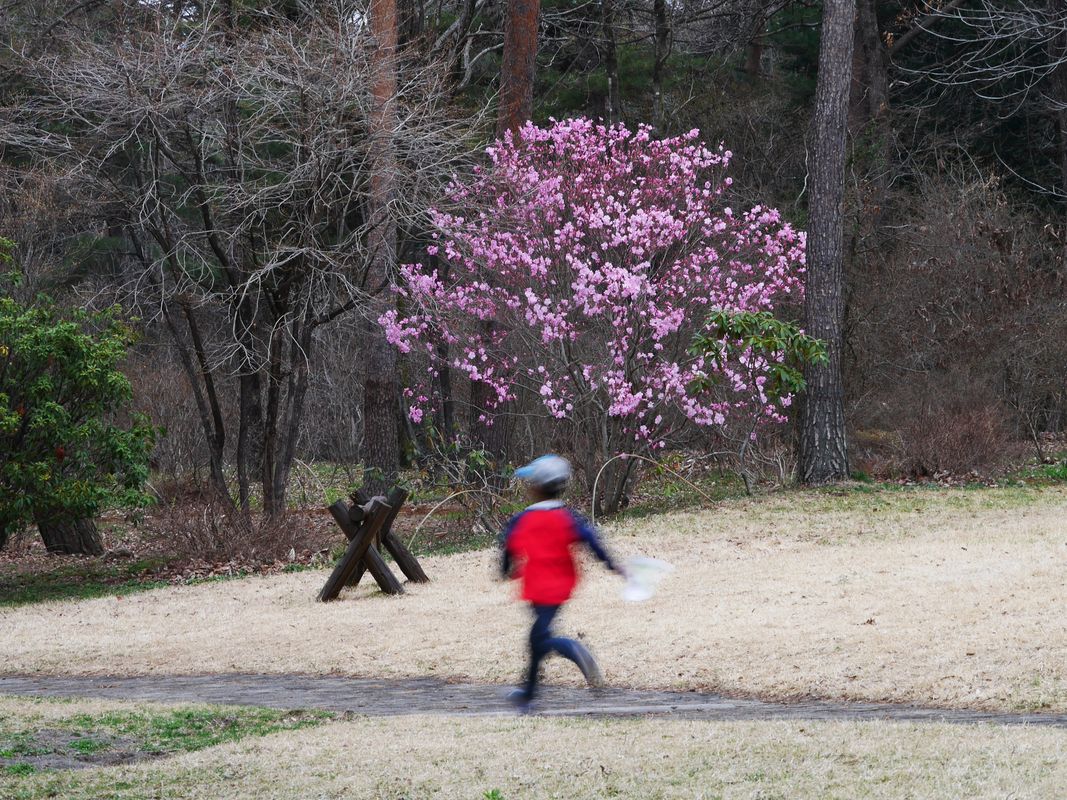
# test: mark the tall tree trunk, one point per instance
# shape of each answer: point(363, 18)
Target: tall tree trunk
point(663, 49)
point(206, 398)
point(869, 93)
point(447, 422)
point(868, 118)
point(517, 69)
point(70, 536)
point(1058, 55)
point(273, 501)
point(299, 356)
point(613, 101)
point(411, 21)
point(381, 457)
point(754, 58)
point(249, 436)
point(823, 448)
point(489, 429)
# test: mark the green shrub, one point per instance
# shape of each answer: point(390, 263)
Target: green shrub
point(63, 449)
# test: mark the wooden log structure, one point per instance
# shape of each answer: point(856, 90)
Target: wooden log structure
point(367, 524)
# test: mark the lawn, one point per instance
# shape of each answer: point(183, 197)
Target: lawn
point(937, 597)
point(43, 736)
point(408, 758)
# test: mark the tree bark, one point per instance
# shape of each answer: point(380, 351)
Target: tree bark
point(519, 64)
point(249, 436)
point(754, 57)
point(70, 536)
point(489, 430)
point(300, 354)
point(662, 52)
point(613, 101)
point(206, 398)
point(381, 456)
point(823, 447)
point(411, 21)
point(1058, 55)
point(869, 94)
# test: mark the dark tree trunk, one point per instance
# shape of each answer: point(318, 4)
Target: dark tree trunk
point(300, 354)
point(869, 93)
point(663, 49)
point(754, 57)
point(411, 20)
point(613, 101)
point(519, 64)
point(823, 448)
point(272, 503)
point(249, 436)
point(1058, 55)
point(445, 418)
point(447, 423)
point(868, 121)
point(381, 456)
point(70, 536)
point(207, 401)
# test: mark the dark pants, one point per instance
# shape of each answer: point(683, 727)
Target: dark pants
point(542, 643)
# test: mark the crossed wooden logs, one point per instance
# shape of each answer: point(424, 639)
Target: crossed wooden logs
point(368, 525)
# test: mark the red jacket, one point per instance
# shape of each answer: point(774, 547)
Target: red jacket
point(538, 549)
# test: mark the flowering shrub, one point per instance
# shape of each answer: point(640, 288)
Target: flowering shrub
point(597, 253)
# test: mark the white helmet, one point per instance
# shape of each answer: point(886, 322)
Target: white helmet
point(547, 471)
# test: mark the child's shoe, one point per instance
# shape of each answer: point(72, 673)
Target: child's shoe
point(587, 664)
point(520, 700)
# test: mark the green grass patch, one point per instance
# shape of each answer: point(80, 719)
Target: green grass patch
point(1054, 472)
point(40, 745)
point(87, 746)
point(78, 581)
point(20, 745)
point(187, 729)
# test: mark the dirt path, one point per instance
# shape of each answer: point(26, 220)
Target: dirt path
point(432, 696)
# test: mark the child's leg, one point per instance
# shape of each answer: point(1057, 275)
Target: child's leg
point(540, 644)
point(575, 651)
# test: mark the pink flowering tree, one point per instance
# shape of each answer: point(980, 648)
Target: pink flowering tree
point(584, 263)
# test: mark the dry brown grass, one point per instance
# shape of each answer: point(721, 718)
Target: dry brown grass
point(534, 758)
point(952, 598)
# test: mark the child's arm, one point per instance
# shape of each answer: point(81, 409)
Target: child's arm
point(505, 558)
point(587, 533)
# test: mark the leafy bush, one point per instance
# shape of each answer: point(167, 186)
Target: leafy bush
point(63, 452)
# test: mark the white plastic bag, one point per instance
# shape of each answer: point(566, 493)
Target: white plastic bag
point(643, 577)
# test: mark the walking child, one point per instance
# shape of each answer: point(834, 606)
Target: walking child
point(538, 550)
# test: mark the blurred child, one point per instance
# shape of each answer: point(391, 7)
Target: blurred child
point(538, 550)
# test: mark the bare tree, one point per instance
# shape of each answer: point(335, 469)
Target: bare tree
point(823, 450)
point(239, 169)
point(1013, 54)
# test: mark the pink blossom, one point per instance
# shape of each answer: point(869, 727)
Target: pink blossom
point(598, 252)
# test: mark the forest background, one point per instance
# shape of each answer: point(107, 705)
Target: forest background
point(252, 246)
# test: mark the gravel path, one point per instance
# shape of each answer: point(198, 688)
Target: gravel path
point(432, 696)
